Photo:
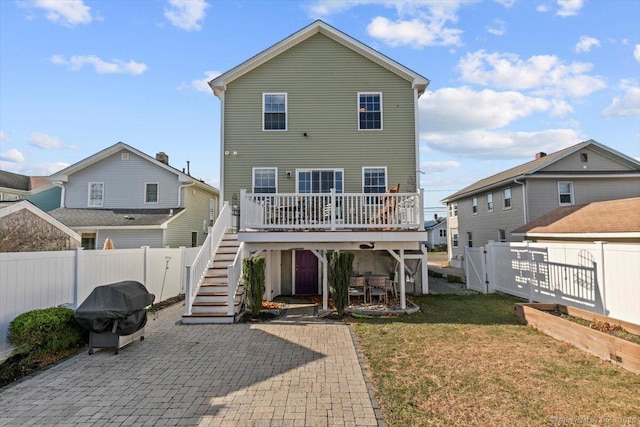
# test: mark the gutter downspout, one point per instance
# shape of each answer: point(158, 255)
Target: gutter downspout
point(62, 192)
point(180, 189)
point(524, 197)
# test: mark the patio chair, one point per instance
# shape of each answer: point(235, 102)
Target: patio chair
point(357, 288)
point(387, 213)
point(377, 288)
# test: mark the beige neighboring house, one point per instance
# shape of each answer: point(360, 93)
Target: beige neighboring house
point(319, 150)
point(26, 228)
point(613, 221)
point(492, 208)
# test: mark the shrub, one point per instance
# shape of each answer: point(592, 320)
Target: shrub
point(340, 268)
point(253, 275)
point(47, 330)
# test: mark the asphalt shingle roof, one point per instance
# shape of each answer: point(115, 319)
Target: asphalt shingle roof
point(74, 217)
point(15, 181)
point(613, 216)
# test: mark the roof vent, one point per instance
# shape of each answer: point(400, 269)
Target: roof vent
point(540, 155)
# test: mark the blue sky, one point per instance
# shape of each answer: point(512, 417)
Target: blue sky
point(508, 78)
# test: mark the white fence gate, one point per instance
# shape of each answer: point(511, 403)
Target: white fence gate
point(600, 277)
point(35, 280)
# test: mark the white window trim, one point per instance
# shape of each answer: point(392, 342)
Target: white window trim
point(386, 178)
point(486, 199)
point(570, 193)
point(317, 169)
point(253, 177)
point(504, 208)
point(381, 111)
point(286, 111)
point(474, 199)
point(157, 193)
point(89, 195)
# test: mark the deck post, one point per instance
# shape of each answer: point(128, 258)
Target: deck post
point(333, 209)
point(403, 288)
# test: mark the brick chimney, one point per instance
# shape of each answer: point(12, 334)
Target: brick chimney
point(162, 157)
point(538, 155)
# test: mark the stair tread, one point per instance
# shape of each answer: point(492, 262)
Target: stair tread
point(208, 314)
point(214, 304)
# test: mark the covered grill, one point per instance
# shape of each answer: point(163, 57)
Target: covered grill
point(115, 314)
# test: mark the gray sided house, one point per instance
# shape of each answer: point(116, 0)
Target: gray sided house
point(437, 233)
point(492, 208)
point(134, 199)
point(26, 228)
point(37, 189)
point(315, 131)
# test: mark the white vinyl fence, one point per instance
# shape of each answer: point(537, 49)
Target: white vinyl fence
point(600, 277)
point(35, 280)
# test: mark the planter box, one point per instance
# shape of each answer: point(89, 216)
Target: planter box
point(606, 346)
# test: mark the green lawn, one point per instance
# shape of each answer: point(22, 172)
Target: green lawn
point(464, 360)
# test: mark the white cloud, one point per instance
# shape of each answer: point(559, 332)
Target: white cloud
point(440, 166)
point(463, 109)
point(3, 137)
point(12, 156)
point(414, 32)
point(627, 105)
point(186, 14)
point(498, 27)
point(75, 63)
point(586, 43)
point(33, 169)
point(201, 85)
point(42, 140)
point(502, 145)
point(543, 8)
point(636, 52)
point(68, 12)
point(542, 74)
point(569, 7)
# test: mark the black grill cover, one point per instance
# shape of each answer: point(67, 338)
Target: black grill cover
point(119, 304)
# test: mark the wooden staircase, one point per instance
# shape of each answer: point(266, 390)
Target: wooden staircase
point(211, 303)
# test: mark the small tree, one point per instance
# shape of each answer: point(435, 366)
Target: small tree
point(253, 275)
point(340, 268)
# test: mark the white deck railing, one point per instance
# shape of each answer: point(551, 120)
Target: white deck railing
point(234, 274)
point(331, 211)
point(195, 273)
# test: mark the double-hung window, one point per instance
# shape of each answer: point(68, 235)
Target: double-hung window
point(474, 205)
point(453, 210)
point(274, 111)
point(469, 239)
point(320, 180)
point(369, 110)
point(489, 202)
point(506, 198)
point(151, 192)
point(565, 193)
point(454, 238)
point(374, 181)
point(96, 194)
point(265, 180)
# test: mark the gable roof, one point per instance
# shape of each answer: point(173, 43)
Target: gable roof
point(8, 208)
point(219, 84)
point(63, 175)
point(534, 166)
point(612, 216)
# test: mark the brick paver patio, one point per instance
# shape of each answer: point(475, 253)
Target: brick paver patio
point(297, 371)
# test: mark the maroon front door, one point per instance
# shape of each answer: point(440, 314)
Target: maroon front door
point(306, 273)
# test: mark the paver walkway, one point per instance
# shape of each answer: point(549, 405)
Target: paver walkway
point(295, 371)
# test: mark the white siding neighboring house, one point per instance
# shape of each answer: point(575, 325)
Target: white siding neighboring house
point(134, 199)
point(492, 208)
point(437, 234)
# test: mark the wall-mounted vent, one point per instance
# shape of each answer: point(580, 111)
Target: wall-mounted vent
point(124, 156)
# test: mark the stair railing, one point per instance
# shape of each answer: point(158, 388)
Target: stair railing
point(234, 274)
point(196, 272)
